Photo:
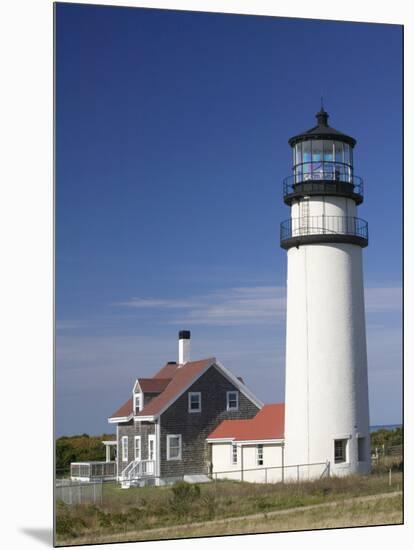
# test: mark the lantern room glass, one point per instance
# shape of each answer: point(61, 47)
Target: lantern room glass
point(322, 159)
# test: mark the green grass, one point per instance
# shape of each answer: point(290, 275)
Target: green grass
point(136, 509)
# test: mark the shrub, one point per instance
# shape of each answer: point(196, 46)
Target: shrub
point(69, 526)
point(210, 505)
point(183, 496)
point(104, 520)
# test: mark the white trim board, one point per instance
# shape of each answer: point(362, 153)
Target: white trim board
point(246, 442)
point(117, 419)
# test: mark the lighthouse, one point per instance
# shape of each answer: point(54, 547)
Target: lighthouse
point(326, 391)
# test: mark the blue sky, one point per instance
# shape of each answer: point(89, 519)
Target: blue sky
point(171, 148)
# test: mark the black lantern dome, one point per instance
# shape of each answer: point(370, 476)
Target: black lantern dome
point(322, 131)
point(322, 164)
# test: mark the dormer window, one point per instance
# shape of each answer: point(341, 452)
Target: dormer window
point(137, 402)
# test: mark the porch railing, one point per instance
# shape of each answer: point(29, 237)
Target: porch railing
point(91, 471)
point(138, 469)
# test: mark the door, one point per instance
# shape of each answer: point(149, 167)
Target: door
point(151, 454)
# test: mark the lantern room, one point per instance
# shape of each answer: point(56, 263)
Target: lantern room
point(322, 163)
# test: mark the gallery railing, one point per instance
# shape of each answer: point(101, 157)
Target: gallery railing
point(323, 225)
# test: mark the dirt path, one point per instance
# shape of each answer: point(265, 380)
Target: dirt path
point(151, 534)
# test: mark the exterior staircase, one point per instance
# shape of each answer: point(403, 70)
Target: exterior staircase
point(135, 472)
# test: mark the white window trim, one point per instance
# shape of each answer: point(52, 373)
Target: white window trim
point(232, 447)
point(191, 393)
point(136, 438)
point(169, 437)
point(228, 400)
point(124, 448)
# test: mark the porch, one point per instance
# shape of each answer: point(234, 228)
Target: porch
point(96, 470)
point(92, 471)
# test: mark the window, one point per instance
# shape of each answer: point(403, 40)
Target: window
point(124, 448)
point(340, 450)
point(194, 401)
point(234, 453)
point(298, 151)
point(361, 449)
point(306, 151)
point(137, 402)
point(137, 447)
point(232, 400)
point(259, 455)
point(174, 447)
point(328, 150)
point(339, 151)
point(317, 150)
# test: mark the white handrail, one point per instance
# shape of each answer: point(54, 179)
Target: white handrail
point(137, 469)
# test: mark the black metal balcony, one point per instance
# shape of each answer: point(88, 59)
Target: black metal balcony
point(323, 229)
point(323, 182)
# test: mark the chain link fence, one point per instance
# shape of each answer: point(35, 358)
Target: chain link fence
point(74, 492)
point(276, 474)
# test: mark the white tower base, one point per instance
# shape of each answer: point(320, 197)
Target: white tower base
point(326, 363)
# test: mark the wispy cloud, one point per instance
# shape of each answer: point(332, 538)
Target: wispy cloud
point(156, 303)
point(250, 305)
point(240, 306)
point(230, 307)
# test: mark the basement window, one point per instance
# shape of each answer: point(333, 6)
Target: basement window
point(340, 450)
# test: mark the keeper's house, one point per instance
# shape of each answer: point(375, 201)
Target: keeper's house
point(162, 430)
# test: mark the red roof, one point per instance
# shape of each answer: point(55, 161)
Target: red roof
point(153, 385)
point(180, 377)
point(167, 371)
point(269, 423)
point(125, 410)
point(183, 377)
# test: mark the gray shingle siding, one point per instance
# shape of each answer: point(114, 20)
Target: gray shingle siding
point(195, 427)
point(131, 429)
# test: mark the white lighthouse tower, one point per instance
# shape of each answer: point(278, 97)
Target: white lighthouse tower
point(327, 416)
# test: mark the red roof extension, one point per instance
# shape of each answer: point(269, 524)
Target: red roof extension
point(125, 410)
point(269, 423)
point(153, 385)
point(170, 381)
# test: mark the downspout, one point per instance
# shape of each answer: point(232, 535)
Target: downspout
point(241, 462)
point(157, 451)
point(117, 453)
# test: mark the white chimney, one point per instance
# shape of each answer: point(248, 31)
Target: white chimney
point(183, 346)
